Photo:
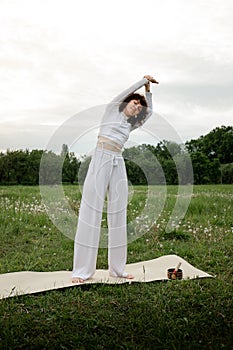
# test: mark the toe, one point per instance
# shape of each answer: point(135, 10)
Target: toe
point(77, 280)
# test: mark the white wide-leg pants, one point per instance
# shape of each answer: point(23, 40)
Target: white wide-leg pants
point(106, 175)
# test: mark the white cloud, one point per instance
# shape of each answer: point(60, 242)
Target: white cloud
point(58, 58)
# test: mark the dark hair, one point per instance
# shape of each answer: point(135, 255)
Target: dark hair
point(142, 115)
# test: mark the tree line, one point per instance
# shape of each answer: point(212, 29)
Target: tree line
point(208, 159)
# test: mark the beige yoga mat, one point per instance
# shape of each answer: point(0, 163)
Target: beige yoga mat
point(28, 282)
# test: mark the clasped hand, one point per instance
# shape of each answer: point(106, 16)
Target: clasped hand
point(151, 79)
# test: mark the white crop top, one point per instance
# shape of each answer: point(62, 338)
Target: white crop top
point(114, 123)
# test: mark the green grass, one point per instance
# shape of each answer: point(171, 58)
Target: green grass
point(195, 314)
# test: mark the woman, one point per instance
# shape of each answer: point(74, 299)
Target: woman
point(107, 175)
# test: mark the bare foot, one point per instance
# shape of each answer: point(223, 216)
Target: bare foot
point(124, 275)
point(78, 280)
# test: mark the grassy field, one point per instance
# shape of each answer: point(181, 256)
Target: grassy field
point(194, 314)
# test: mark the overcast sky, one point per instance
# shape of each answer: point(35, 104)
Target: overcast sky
point(61, 57)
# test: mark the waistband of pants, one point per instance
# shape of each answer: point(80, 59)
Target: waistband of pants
point(109, 144)
point(107, 151)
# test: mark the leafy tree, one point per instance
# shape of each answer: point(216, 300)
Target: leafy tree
point(2, 167)
point(70, 165)
point(200, 166)
point(184, 168)
point(83, 167)
point(9, 164)
point(50, 169)
point(134, 172)
point(170, 171)
point(70, 168)
point(227, 173)
point(64, 150)
point(205, 171)
point(215, 171)
point(216, 144)
point(167, 149)
point(19, 165)
point(32, 162)
point(166, 162)
point(143, 166)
